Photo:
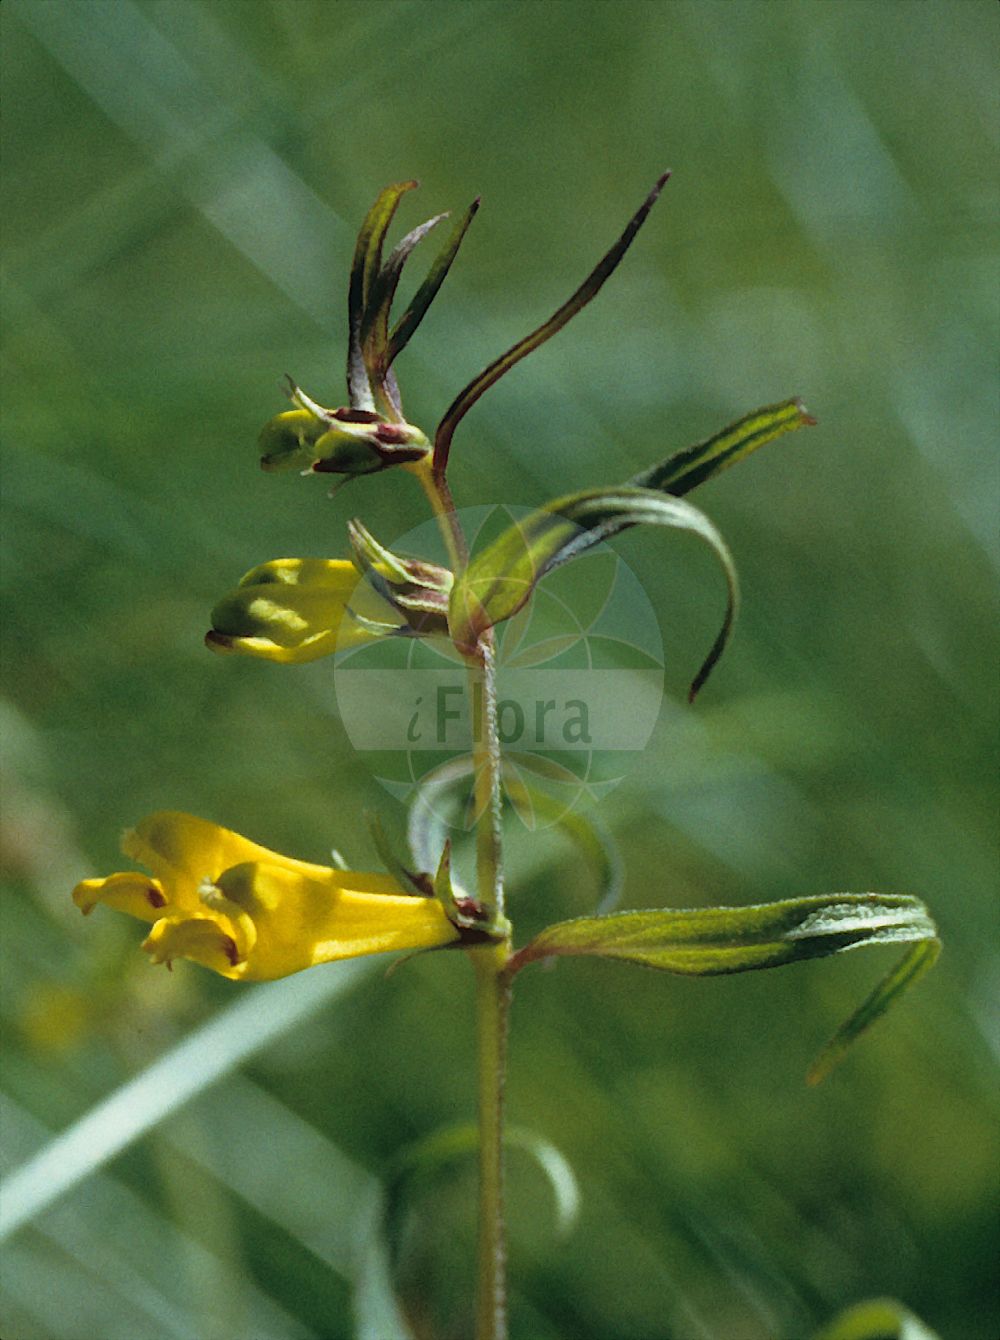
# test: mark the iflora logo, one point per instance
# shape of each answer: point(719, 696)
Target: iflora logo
point(579, 679)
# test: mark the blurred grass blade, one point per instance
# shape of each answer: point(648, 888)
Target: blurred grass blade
point(910, 969)
point(407, 324)
point(210, 1052)
point(499, 580)
point(692, 466)
point(364, 269)
point(879, 1319)
point(377, 1314)
point(702, 942)
point(590, 287)
point(596, 844)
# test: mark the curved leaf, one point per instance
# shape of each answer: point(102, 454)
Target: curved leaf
point(879, 1319)
point(498, 581)
point(687, 469)
point(702, 942)
point(590, 287)
point(914, 963)
point(427, 828)
point(596, 844)
point(458, 1142)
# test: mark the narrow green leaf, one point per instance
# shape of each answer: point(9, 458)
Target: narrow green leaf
point(702, 942)
point(912, 966)
point(407, 324)
point(498, 581)
point(879, 1319)
point(687, 469)
point(364, 268)
point(467, 397)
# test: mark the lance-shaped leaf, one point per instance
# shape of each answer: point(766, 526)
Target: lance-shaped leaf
point(705, 942)
point(687, 469)
point(590, 287)
point(498, 581)
point(404, 328)
point(364, 270)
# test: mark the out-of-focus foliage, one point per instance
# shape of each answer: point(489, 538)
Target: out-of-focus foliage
point(183, 186)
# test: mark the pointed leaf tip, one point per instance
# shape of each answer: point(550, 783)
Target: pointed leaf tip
point(691, 466)
point(590, 287)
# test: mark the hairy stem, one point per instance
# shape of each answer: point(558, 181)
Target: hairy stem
point(489, 961)
point(492, 1008)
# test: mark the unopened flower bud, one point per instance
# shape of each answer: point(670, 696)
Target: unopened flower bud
point(337, 441)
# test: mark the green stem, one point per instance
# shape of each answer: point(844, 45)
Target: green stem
point(435, 485)
point(486, 762)
point(492, 1008)
point(489, 960)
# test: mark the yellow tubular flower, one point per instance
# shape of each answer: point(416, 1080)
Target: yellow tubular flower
point(296, 609)
point(251, 914)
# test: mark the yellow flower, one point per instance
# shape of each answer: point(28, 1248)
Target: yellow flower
point(252, 914)
point(297, 609)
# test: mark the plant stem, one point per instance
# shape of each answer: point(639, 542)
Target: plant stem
point(489, 960)
point(492, 1007)
point(486, 761)
point(435, 485)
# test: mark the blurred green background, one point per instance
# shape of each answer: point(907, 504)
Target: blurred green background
point(183, 180)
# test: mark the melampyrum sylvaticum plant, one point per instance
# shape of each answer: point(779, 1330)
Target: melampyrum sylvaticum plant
point(252, 914)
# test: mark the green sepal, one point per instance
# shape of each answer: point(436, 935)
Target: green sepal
point(877, 1319)
point(704, 942)
point(370, 554)
point(686, 469)
point(460, 909)
point(589, 289)
point(380, 840)
point(499, 581)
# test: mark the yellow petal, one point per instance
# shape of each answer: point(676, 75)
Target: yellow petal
point(294, 610)
point(136, 894)
point(185, 853)
point(302, 920)
point(202, 939)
